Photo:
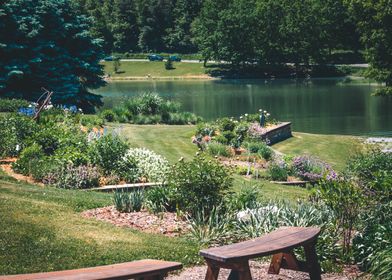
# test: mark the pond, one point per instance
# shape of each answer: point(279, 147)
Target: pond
point(327, 106)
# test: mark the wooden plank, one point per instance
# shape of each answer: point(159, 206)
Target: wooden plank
point(136, 269)
point(281, 240)
point(125, 187)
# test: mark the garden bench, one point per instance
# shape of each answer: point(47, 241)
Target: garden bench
point(279, 243)
point(140, 270)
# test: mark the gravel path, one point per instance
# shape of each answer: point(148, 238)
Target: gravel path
point(259, 272)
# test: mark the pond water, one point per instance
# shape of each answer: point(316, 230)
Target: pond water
point(327, 106)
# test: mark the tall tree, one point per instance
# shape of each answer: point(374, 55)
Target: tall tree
point(46, 43)
point(374, 19)
point(154, 17)
point(124, 26)
point(179, 37)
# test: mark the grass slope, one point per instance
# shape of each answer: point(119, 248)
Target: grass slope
point(154, 69)
point(41, 230)
point(334, 149)
point(171, 141)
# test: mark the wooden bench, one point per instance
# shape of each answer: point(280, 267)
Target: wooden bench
point(143, 269)
point(279, 243)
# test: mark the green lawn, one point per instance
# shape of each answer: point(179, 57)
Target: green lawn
point(154, 69)
point(41, 230)
point(334, 149)
point(174, 141)
point(171, 141)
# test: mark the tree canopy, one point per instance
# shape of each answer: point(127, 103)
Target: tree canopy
point(374, 19)
point(46, 43)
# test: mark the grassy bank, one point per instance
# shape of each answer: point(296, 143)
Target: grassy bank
point(41, 230)
point(143, 69)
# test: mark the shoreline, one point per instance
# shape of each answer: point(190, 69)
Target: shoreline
point(164, 78)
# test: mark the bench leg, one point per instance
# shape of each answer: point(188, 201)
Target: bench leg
point(212, 271)
point(241, 272)
point(312, 261)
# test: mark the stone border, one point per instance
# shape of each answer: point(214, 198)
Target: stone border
point(278, 133)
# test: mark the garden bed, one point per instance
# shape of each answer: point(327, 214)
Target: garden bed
point(166, 223)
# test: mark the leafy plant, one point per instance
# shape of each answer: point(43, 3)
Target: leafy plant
point(218, 149)
point(382, 264)
point(107, 151)
point(29, 157)
point(128, 201)
point(160, 199)
point(345, 199)
point(210, 228)
point(149, 166)
point(310, 168)
point(74, 177)
point(200, 183)
point(12, 105)
point(245, 198)
point(278, 170)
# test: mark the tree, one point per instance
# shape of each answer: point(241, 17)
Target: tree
point(179, 37)
point(124, 28)
point(46, 44)
point(374, 21)
point(154, 17)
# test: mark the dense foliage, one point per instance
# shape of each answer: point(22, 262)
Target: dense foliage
point(46, 44)
point(374, 23)
point(149, 108)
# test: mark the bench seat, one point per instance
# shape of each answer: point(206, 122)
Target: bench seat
point(279, 243)
point(146, 269)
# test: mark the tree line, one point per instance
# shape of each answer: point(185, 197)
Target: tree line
point(58, 43)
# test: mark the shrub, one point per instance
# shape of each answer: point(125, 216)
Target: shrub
point(151, 167)
point(309, 168)
point(128, 201)
point(91, 120)
point(74, 177)
point(169, 64)
point(226, 124)
point(108, 115)
point(29, 157)
point(217, 149)
point(277, 170)
point(229, 135)
point(266, 152)
point(150, 103)
point(71, 154)
point(160, 199)
point(15, 130)
point(206, 129)
point(12, 105)
point(200, 183)
point(107, 151)
point(221, 139)
point(345, 199)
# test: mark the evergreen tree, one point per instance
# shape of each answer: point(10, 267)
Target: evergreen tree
point(45, 43)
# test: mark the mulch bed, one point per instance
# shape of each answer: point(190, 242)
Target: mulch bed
point(166, 223)
point(259, 272)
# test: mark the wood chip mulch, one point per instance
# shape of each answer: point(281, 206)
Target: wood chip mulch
point(166, 223)
point(259, 272)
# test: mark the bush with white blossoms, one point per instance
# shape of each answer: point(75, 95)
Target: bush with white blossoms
point(150, 166)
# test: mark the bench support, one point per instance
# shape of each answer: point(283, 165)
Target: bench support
point(289, 261)
point(239, 271)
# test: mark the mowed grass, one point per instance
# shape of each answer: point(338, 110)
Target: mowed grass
point(334, 149)
point(154, 69)
point(171, 141)
point(41, 229)
point(174, 142)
